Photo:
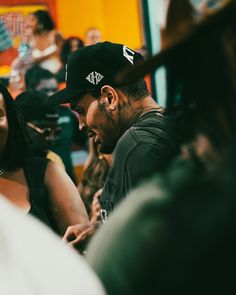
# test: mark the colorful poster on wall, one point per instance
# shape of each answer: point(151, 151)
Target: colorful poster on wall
point(14, 18)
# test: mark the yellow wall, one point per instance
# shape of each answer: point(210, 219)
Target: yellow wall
point(118, 20)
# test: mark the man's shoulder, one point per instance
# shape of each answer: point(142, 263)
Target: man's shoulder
point(126, 143)
point(147, 130)
point(150, 127)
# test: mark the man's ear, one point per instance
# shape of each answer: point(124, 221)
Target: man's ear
point(110, 96)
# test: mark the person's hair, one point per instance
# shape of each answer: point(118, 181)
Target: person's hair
point(34, 75)
point(45, 22)
point(67, 48)
point(94, 177)
point(134, 91)
point(17, 146)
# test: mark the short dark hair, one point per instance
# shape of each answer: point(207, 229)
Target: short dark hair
point(17, 147)
point(134, 91)
point(34, 75)
point(45, 20)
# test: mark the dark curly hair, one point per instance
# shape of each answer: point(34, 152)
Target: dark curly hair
point(67, 47)
point(45, 22)
point(94, 177)
point(17, 146)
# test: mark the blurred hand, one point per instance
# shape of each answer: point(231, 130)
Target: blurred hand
point(77, 233)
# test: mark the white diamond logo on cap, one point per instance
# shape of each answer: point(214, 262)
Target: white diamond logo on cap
point(94, 78)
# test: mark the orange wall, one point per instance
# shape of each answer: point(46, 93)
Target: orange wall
point(118, 20)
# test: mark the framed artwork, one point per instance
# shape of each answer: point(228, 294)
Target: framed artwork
point(13, 13)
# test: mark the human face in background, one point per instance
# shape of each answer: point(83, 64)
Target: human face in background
point(74, 45)
point(3, 125)
point(47, 86)
point(99, 123)
point(93, 36)
point(32, 23)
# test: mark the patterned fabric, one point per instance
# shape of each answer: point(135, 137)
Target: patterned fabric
point(5, 38)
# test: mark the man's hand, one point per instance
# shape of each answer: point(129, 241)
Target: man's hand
point(77, 233)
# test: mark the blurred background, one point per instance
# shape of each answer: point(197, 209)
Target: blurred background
point(136, 23)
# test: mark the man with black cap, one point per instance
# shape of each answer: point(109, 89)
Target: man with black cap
point(176, 233)
point(39, 79)
point(41, 121)
point(122, 118)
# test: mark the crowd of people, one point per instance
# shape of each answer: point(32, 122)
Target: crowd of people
point(154, 212)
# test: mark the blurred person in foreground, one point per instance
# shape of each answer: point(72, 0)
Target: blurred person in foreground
point(176, 233)
point(34, 261)
point(122, 118)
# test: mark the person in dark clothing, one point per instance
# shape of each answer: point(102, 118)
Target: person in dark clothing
point(44, 81)
point(34, 184)
point(69, 137)
point(175, 233)
point(41, 122)
point(146, 147)
point(118, 116)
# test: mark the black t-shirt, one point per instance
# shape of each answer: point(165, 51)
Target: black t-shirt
point(146, 147)
point(35, 169)
point(70, 134)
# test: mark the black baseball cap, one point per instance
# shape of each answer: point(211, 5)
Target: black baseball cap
point(33, 105)
point(91, 67)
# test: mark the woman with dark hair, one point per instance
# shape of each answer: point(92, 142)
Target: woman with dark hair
point(96, 169)
point(11, 135)
point(70, 45)
point(44, 21)
point(36, 185)
point(46, 41)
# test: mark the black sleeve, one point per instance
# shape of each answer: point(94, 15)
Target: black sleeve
point(145, 160)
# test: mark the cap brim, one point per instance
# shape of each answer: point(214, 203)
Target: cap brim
point(63, 96)
point(177, 48)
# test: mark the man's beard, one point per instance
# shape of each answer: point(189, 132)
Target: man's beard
point(106, 148)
